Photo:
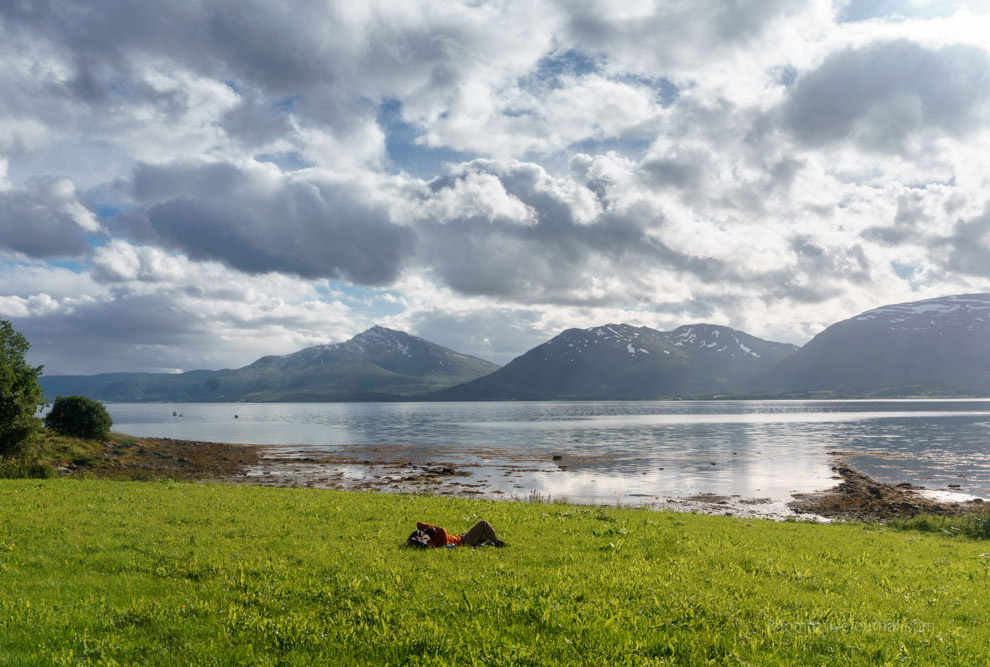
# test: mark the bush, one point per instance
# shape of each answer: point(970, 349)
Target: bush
point(80, 417)
point(21, 468)
point(15, 438)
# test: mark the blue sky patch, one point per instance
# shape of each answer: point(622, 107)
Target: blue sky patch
point(893, 10)
point(666, 91)
point(286, 161)
point(73, 265)
point(905, 270)
point(364, 301)
point(403, 150)
point(287, 104)
point(555, 66)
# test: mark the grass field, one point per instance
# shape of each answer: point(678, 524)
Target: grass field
point(163, 573)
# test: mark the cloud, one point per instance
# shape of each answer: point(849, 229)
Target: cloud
point(967, 249)
point(152, 310)
point(541, 239)
point(45, 220)
point(256, 219)
point(652, 36)
point(887, 95)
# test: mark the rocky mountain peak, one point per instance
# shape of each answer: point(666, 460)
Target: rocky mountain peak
point(380, 339)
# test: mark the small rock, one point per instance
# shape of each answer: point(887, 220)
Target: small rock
point(558, 457)
point(954, 486)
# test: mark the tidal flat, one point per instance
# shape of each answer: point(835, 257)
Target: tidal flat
point(478, 473)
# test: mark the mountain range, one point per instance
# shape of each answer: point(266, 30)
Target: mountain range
point(378, 364)
point(932, 347)
point(619, 361)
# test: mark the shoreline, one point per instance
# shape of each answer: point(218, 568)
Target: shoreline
point(394, 469)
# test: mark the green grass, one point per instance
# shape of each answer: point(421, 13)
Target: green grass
point(162, 573)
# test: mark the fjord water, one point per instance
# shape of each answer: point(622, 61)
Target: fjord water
point(624, 451)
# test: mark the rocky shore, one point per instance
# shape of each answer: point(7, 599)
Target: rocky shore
point(859, 496)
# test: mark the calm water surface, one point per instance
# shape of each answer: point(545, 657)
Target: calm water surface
point(622, 451)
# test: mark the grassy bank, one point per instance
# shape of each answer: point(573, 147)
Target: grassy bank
point(167, 573)
point(126, 457)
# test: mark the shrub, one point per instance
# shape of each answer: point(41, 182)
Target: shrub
point(80, 417)
point(20, 468)
point(15, 438)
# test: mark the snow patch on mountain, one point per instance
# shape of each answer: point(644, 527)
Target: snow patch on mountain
point(706, 339)
point(711, 337)
point(930, 314)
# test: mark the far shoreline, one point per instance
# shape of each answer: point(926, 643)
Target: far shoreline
point(842, 398)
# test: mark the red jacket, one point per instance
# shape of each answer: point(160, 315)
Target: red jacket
point(438, 536)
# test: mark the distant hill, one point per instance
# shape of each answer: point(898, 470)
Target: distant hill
point(378, 364)
point(619, 361)
point(935, 346)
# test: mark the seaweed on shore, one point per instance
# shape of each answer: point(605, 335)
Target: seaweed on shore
point(859, 496)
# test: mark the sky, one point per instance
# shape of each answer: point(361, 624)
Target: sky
point(198, 183)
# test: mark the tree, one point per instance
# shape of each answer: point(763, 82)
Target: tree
point(20, 393)
point(80, 417)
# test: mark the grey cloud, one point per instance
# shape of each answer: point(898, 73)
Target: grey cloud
point(672, 34)
point(33, 221)
point(557, 258)
point(967, 250)
point(679, 173)
point(910, 213)
point(254, 121)
point(308, 228)
point(818, 260)
point(819, 272)
point(149, 332)
point(306, 59)
point(160, 330)
point(881, 95)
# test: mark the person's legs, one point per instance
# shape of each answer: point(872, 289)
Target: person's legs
point(480, 532)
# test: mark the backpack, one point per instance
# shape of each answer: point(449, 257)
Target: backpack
point(418, 540)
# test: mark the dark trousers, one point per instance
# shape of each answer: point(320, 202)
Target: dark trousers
point(479, 532)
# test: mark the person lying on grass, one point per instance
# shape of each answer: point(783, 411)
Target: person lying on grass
point(428, 535)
